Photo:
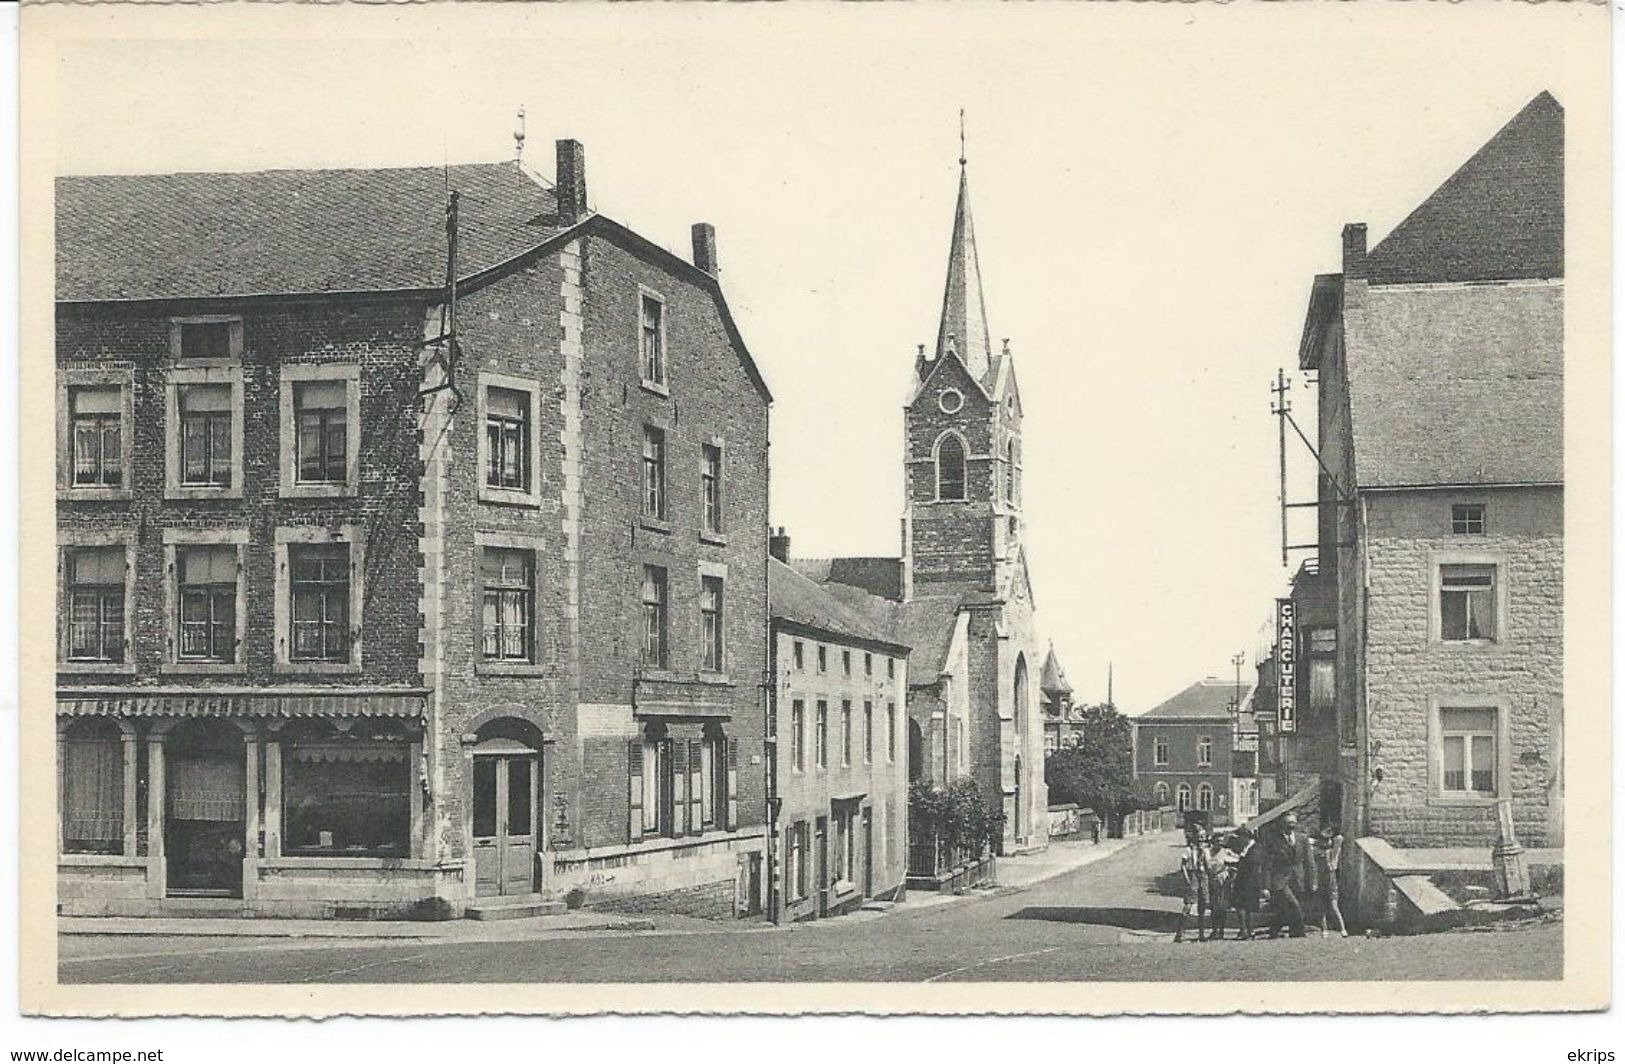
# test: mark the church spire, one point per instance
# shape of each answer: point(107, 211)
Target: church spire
point(964, 315)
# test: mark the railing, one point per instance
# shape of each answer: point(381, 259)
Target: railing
point(930, 857)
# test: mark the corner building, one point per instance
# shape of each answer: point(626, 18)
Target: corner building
point(358, 620)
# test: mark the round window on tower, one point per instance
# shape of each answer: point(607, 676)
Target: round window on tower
point(950, 400)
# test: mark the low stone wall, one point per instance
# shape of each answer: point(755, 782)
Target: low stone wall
point(684, 876)
point(319, 888)
point(102, 886)
point(710, 901)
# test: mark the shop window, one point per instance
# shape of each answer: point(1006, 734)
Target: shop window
point(346, 794)
point(93, 788)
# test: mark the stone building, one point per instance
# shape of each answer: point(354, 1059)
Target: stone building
point(359, 620)
point(959, 595)
point(1184, 746)
point(840, 774)
point(1439, 359)
point(1063, 719)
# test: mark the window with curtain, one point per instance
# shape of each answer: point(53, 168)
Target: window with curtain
point(508, 577)
point(321, 433)
point(96, 604)
point(346, 794)
point(951, 469)
point(507, 438)
point(1467, 603)
point(97, 416)
point(1469, 738)
point(205, 413)
point(206, 582)
point(319, 581)
point(93, 788)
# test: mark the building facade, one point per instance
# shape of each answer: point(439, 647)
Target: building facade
point(1063, 720)
point(1183, 750)
point(1439, 358)
point(960, 595)
point(381, 595)
point(840, 774)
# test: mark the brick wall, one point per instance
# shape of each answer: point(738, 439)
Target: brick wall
point(379, 338)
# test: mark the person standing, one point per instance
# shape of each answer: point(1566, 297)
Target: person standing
point(1220, 869)
point(1328, 858)
point(1244, 885)
point(1292, 877)
point(1193, 870)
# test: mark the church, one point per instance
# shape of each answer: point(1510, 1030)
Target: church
point(959, 595)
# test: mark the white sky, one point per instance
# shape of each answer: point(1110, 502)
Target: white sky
point(1154, 188)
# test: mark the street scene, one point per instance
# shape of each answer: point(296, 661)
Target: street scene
point(503, 570)
point(1111, 919)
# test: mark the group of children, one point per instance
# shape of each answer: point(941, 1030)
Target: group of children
point(1277, 874)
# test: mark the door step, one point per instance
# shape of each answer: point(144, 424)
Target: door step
point(513, 907)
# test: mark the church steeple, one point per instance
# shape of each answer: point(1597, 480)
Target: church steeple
point(964, 315)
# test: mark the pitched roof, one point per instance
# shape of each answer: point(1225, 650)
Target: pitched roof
point(877, 576)
point(1467, 388)
point(1052, 680)
point(1207, 699)
point(1500, 216)
point(798, 600)
point(197, 235)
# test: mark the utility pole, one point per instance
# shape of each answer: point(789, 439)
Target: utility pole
point(1281, 408)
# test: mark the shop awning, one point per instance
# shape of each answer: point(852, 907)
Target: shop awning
point(260, 704)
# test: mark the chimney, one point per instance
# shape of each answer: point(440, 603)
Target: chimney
point(571, 184)
point(1354, 251)
point(778, 544)
point(705, 247)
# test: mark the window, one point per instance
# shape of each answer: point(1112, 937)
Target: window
point(846, 662)
point(823, 659)
point(1183, 797)
point(1204, 750)
point(950, 469)
point(798, 735)
point(97, 416)
point(654, 340)
point(655, 775)
point(821, 735)
point(95, 594)
point(1322, 685)
point(347, 794)
point(1469, 755)
point(321, 432)
point(92, 781)
point(891, 731)
point(713, 773)
point(508, 607)
point(868, 732)
point(795, 862)
point(711, 487)
point(654, 616)
point(1160, 793)
point(950, 401)
point(1010, 472)
point(711, 659)
point(207, 581)
point(206, 435)
point(507, 438)
point(207, 339)
point(654, 473)
point(891, 668)
point(797, 654)
point(1159, 752)
point(1323, 640)
point(1204, 797)
point(1467, 603)
point(846, 731)
point(319, 582)
point(1467, 519)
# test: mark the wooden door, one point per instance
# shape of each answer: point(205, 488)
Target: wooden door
point(504, 814)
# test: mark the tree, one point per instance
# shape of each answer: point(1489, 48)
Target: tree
point(1097, 773)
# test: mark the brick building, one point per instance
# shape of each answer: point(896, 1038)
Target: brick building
point(959, 595)
point(1063, 719)
point(840, 774)
point(355, 617)
point(1183, 749)
point(1439, 358)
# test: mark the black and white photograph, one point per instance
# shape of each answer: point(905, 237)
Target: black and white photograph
point(904, 500)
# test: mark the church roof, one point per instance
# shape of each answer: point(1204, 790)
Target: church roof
point(1499, 217)
point(1052, 681)
point(963, 328)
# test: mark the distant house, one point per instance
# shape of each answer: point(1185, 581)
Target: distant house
point(1439, 358)
point(1063, 720)
point(1183, 749)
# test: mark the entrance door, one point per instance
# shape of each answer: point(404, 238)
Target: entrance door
point(821, 851)
point(504, 823)
point(203, 811)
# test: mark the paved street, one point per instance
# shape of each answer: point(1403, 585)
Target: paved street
point(1112, 920)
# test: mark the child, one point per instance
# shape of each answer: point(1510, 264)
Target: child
point(1193, 869)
